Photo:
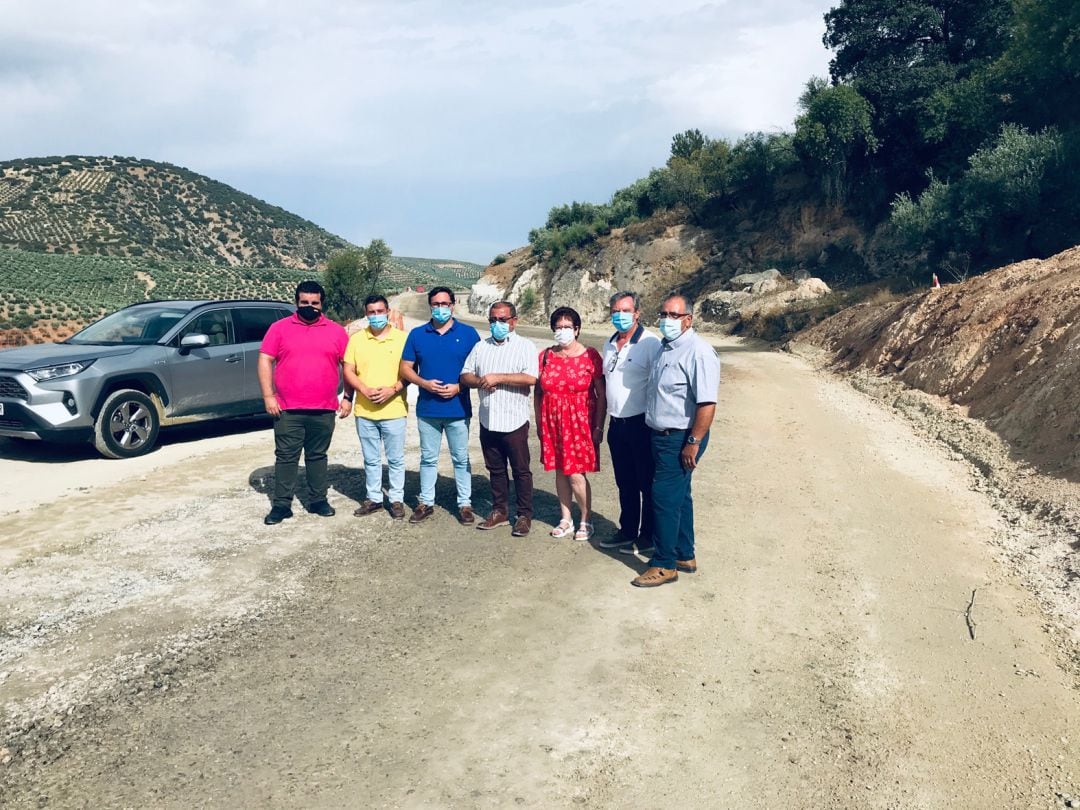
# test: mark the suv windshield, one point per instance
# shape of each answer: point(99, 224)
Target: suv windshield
point(143, 324)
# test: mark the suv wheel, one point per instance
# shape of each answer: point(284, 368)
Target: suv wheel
point(127, 425)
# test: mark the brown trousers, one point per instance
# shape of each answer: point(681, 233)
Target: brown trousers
point(513, 447)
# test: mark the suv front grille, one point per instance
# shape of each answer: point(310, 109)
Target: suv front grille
point(10, 388)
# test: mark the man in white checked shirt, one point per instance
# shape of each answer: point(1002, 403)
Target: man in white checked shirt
point(504, 367)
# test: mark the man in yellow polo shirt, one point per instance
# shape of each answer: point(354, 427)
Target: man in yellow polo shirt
point(372, 363)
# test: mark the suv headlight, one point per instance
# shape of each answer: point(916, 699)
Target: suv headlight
point(56, 372)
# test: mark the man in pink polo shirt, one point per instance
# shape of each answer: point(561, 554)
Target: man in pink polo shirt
point(299, 363)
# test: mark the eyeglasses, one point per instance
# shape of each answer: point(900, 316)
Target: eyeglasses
point(506, 319)
point(614, 360)
point(662, 314)
point(434, 304)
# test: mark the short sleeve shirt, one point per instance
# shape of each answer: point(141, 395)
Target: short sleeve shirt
point(307, 362)
point(686, 374)
point(441, 357)
point(507, 407)
point(626, 372)
point(378, 365)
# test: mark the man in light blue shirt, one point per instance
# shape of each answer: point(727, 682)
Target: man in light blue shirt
point(679, 408)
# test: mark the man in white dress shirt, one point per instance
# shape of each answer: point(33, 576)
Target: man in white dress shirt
point(628, 356)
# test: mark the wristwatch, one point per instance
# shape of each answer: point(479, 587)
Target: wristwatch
point(347, 397)
point(692, 439)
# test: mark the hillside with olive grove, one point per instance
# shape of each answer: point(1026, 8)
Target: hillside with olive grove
point(117, 206)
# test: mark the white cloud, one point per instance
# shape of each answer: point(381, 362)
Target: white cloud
point(752, 88)
point(422, 90)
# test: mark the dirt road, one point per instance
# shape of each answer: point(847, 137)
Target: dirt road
point(160, 647)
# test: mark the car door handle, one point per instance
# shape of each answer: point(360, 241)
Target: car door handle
point(233, 358)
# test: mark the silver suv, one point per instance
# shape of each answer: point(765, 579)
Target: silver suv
point(149, 365)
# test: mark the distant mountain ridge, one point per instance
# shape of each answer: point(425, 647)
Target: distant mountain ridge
point(126, 207)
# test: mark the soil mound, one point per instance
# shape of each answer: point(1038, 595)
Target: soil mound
point(1005, 346)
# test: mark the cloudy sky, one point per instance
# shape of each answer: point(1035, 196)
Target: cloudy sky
point(447, 128)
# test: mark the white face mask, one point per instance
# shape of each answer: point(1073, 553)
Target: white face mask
point(564, 336)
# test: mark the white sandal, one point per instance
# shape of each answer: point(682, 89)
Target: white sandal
point(584, 532)
point(563, 529)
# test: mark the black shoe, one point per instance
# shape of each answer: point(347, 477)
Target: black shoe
point(321, 508)
point(277, 514)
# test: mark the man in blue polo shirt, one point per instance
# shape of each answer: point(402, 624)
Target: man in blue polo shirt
point(433, 358)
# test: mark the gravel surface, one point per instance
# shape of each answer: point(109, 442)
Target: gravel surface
point(160, 647)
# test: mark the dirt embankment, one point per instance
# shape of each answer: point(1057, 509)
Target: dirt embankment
point(1004, 346)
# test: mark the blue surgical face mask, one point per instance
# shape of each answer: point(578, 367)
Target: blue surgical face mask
point(440, 314)
point(377, 322)
point(622, 321)
point(671, 328)
point(500, 330)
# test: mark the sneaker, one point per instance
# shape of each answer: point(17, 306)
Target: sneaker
point(494, 521)
point(321, 508)
point(655, 576)
point(618, 540)
point(466, 516)
point(521, 527)
point(277, 514)
point(632, 549)
point(367, 507)
point(687, 566)
point(397, 510)
point(421, 513)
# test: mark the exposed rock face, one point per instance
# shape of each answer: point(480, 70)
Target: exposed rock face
point(1005, 344)
point(651, 267)
point(665, 254)
point(482, 295)
point(759, 294)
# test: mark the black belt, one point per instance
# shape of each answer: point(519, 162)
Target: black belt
point(639, 418)
point(668, 431)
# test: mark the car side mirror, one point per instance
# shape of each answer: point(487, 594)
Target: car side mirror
point(193, 341)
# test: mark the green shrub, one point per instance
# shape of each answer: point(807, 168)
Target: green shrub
point(527, 302)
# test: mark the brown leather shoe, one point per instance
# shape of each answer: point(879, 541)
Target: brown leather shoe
point(421, 513)
point(494, 520)
point(687, 566)
point(655, 576)
point(397, 510)
point(521, 527)
point(367, 508)
point(466, 516)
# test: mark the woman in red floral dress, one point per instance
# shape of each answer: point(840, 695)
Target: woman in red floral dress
point(570, 410)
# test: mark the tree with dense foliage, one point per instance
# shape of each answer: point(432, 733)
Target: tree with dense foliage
point(343, 280)
point(376, 261)
point(834, 131)
point(688, 144)
point(908, 60)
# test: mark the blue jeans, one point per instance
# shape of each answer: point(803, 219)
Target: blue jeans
point(673, 505)
point(376, 434)
point(457, 439)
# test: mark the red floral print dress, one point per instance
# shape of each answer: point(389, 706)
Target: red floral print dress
point(566, 409)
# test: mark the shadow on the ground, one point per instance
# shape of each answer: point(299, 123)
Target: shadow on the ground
point(351, 483)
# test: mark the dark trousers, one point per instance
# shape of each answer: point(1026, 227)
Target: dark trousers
point(631, 459)
point(294, 431)
point(673, 505)
point(513, 447)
